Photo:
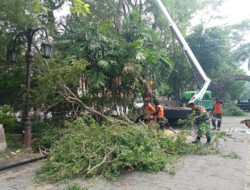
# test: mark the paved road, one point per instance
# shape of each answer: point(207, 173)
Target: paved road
point(212, 172)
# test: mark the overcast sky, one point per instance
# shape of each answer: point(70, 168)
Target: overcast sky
point(231, 12)
point(236, 10)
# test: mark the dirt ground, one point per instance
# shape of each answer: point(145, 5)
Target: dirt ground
point(211, 172)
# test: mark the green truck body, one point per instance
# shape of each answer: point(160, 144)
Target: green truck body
point(206, 102)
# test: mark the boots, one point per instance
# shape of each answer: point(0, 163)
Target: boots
point(208, 141)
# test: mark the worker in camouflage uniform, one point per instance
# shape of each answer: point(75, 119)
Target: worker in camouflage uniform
point(201, 121)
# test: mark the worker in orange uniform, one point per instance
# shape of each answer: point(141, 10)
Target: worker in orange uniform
point(159, 114)
point(217, 114)
point(147, 112)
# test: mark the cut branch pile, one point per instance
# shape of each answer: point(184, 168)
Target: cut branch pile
point(87, 149)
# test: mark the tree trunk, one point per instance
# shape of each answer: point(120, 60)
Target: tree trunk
point(148, 93)
point(118, 17)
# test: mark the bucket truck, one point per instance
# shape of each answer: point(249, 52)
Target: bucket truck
point(202, 80)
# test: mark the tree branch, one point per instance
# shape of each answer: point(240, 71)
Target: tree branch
point(103, 161)
point(72, 96)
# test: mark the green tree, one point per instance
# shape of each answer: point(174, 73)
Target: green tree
point(220, 56)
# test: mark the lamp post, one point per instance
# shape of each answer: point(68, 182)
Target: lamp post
point(46, 51)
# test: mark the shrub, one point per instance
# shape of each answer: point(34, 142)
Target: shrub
point(45, 134)
point(7, 118)
point(233, 110)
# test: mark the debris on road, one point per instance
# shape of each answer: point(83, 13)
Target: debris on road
point(238, 130)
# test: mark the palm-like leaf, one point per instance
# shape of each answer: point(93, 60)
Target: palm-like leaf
point(96, 78)
point(110, 67)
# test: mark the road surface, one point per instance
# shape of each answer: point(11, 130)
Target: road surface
point(211, 172)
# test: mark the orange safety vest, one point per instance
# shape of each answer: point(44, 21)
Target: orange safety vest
point(161, 112)
point(150, 108)
point(217, 108)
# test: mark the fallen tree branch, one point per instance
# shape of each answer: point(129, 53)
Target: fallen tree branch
point(102, 162)
point(69, 95)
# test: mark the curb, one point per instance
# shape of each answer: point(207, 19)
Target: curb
point(22, 163)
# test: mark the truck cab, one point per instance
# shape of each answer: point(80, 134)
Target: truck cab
point(206, 102)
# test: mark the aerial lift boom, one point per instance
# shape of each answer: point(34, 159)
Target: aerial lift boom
point(194, 64)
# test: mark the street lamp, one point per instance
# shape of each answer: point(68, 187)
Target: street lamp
point(46, 52)
point(13, 56)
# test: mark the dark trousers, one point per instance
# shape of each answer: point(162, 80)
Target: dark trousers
point(140, 118)
point(217, 117)
point(161, 122)
point(202, 128)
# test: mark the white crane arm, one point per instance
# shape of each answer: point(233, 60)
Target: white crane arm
point(188, 53)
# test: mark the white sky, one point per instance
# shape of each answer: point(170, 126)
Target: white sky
point(231, 12)
point(236, 10)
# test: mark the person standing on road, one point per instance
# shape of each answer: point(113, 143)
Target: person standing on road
point(201, 121)
point(159, 114)
point(217, 114)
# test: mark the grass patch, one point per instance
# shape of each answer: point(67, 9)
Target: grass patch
point(75, 186)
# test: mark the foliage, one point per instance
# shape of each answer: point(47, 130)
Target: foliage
point(164, 90)
point(75, 186)
point(109, 50)
point(215, 49)
point(13, 14)
point(93, 150)
point(204, 128)
point(7, 118)
point(45, 135)
point(233, 110)
point(246, 92)
point(232, 155)
point(12, 143)
point(119, 41)
point(213, 46)
point(79, 8)
point(187, 123)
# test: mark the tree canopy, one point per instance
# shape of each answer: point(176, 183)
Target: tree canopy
point(103, 49)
